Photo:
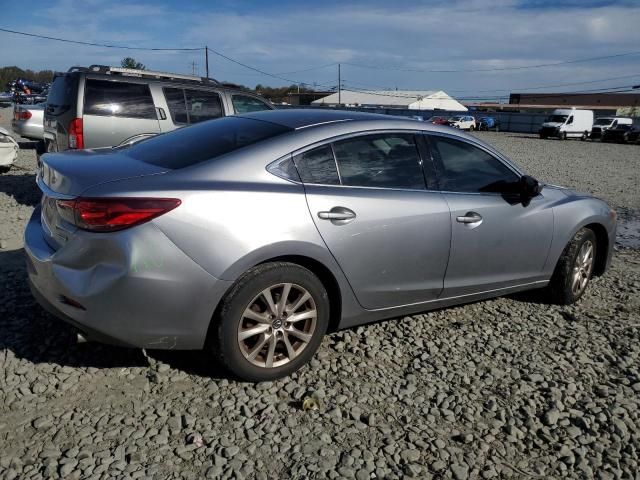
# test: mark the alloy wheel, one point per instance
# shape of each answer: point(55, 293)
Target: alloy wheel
point(277, 325)
point(582, 268)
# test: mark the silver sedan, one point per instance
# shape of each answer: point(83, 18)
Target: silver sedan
point(251, 236)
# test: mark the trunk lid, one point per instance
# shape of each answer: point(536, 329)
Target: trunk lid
point(72, 172)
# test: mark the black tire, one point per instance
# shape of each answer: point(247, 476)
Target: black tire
point(560, 287)
point(543, 136)
point(5, 169)
point(562, 136)
point(224, 340)
point(584, 136)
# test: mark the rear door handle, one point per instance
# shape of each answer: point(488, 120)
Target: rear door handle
point(469, 217)
point(337, 213)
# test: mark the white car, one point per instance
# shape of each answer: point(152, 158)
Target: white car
point(463, 122)
point(8, 150)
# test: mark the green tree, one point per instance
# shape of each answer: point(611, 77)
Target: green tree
point(129, 62)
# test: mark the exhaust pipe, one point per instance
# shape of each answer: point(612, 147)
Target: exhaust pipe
point(80, 338)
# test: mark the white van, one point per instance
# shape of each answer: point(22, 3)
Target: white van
point(568, 123)
point(605, 123)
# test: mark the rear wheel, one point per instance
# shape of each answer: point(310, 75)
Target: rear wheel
point(584, 136)
point(271, 322)
point(574, 268)
point(4, 169)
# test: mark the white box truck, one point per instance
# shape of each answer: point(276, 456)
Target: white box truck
point(605, 123)
point(566, 123)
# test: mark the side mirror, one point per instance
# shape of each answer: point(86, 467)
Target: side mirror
point(529, 187)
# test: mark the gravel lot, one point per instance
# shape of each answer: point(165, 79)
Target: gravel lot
point(508, 388)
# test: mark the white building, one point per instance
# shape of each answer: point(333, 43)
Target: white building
point(411, 99)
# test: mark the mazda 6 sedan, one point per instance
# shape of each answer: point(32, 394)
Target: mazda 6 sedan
point(252, 236)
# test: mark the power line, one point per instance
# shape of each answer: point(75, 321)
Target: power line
point(105, 45)
point(499, 69)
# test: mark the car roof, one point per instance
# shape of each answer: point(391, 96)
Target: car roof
point(298, 118)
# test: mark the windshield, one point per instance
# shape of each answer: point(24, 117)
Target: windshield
point(557, 118)
point(455, 119)
point(203, 141)
point(603, 121)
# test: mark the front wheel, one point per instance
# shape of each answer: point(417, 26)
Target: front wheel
point(574, 268)
point(562, 136)
point(271, 322)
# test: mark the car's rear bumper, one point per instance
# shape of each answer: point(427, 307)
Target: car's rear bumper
point(28, 130)
point(132, 288)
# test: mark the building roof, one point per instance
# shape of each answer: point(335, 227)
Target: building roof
point(413, 99)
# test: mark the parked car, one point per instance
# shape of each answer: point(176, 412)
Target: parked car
point(438, 120)
point(103, 106)
point(28, 121)
point(568, 123)
point(6, 98)
point(463, 122)
point(251, 235)
point(488, 123)
point(8, 150)
point(622, 133)
point(602, 124)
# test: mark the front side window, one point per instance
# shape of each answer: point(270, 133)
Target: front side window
point(317, 166)
point(118, 99)
point(385, 160)
point(466, 168)
point(245, 103)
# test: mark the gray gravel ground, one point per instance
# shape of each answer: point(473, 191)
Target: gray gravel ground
point(507, 388)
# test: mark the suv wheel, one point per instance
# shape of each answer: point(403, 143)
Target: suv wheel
point(271, 322)
point(574, 268)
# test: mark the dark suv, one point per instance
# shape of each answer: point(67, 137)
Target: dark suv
point(102, 106)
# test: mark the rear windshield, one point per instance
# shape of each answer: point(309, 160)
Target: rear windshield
point(204, 141)
point(62, 91)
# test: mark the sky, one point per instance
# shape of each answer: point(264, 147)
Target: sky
point(404, 41)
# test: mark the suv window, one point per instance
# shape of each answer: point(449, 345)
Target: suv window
point(192, 106)
point(61, 92)
point(118, 99)
point(317, 166)
point(187, 146)
point(466, 168)
point(245, 103)
point(385, 160)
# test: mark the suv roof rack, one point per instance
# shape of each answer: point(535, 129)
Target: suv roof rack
point(132, 72)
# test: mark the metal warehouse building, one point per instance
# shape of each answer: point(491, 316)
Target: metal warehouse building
point(408, 99)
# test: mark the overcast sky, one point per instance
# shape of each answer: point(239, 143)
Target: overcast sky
point(287, 36)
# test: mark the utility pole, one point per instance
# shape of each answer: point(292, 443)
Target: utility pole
point(206, 59)
point(339, 87)
point(193, 67)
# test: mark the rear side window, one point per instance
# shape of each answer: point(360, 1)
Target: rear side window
point(192, 106)
point(466, 168)
point(318, 166)
point(118, 99)
point(177, 105)
point(245, 103)
point(188, 146)
point(386, 161)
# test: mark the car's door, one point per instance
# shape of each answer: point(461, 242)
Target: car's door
point(115, 111)
point(497, 240)
point(368, 199)
point(190, 105)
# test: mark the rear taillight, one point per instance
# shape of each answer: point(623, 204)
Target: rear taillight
point(111, 214)
point(76, 136)
point(22, 115)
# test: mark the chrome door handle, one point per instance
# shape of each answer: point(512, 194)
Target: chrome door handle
point(469, 217)
point(337, 213)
